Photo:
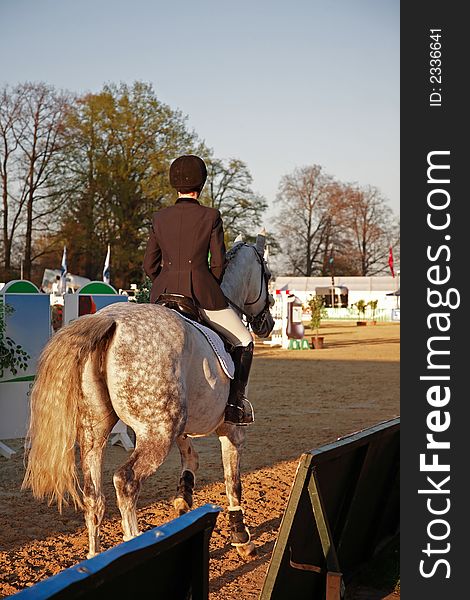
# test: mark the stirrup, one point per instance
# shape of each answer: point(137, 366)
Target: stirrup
point(240, 415)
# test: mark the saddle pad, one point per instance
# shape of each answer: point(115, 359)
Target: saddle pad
point(216, 344)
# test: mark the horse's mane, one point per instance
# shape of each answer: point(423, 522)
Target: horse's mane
point(233, 250)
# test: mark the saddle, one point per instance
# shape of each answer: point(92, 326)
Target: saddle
point(189, 309)
point(182, 304)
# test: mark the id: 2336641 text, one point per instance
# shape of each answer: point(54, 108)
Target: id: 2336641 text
point(435, 67)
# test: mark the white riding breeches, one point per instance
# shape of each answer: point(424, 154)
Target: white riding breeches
point(227, 322)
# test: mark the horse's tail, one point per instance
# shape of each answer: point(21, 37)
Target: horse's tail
point(50, 449)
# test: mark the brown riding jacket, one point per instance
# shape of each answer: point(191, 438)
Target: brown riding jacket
point(176, 258)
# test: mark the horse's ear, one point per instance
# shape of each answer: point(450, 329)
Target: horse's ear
point(261, 241)
point(238, 239)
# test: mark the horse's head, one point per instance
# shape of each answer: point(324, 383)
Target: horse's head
point(245, 284)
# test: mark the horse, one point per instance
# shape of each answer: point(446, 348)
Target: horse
point(149, 367)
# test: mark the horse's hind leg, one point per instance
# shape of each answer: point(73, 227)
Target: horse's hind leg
point(91, 449)
point(189, 465)
point(98, 419)
point(232, 439)
point(149, 454)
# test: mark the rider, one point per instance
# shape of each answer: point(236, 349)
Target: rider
point(176, 260)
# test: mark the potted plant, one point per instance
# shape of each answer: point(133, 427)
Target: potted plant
point(317, 312)
point(142, 295)
point(373, 307)
point(360, 306)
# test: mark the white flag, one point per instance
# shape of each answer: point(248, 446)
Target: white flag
point(63, 272)
point(106, 269)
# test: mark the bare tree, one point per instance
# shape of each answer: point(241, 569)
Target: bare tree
point(32, 126)
point(334, 234)
point(10, 107)
point(372, 230)
point(304, 223)
point(38, 132)
point(228, 188)
point(326, 227)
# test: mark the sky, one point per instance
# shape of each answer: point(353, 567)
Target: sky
point(279, 85)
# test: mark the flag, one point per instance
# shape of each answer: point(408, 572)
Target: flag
point(266, 253)
point(106, 269)
point(390, 261)
point(63, 272)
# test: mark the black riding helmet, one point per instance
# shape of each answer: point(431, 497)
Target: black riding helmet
point(188, 173)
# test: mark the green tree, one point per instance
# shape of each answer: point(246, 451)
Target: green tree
point(122, 141)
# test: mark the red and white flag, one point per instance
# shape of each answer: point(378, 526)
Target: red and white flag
point(390, 261)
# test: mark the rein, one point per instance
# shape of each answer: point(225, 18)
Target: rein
point(261, 316)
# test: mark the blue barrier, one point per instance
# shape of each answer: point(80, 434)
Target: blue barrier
point(169, 562)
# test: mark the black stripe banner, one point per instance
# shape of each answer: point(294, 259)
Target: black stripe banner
point(434, 284)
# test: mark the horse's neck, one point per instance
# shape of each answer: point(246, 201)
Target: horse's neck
point(238, 278)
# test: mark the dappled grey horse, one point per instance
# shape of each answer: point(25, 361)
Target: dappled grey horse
point(146, 365)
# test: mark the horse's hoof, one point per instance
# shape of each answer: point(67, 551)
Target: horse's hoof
point(247, 550)
point(181, 506)
point(128, 538)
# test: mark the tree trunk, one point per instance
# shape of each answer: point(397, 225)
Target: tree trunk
point(6, 239)
point(28, 238)
point(29, 214)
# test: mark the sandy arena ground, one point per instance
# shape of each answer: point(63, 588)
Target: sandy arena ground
point(302, 399)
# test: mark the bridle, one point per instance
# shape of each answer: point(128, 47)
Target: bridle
point(259, 321)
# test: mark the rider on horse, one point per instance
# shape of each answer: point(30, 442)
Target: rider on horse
point(176, 260)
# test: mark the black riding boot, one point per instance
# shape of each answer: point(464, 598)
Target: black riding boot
point(239, 410)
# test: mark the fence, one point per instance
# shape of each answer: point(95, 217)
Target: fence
point(351, 314)
point(171, 561)
point(280, 311)
point(343, 508)
point(25, 328)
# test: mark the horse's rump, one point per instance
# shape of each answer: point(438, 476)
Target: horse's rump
point(162, 373)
